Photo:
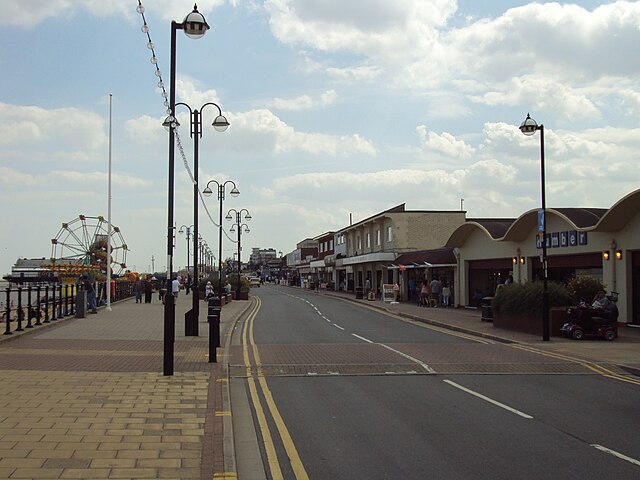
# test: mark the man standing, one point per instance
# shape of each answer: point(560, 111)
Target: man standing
point(91, 294)
point(436, 286)
point(139, 289)
point(175, 287)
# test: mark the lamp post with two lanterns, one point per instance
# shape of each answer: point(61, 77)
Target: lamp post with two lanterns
point(221, 193)
point(220, 124)
point(529, 127)
point(239, 225)
point(186, 229)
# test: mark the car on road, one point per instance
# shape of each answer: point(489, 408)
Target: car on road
point(254, 281)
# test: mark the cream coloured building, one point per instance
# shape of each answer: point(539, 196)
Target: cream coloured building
point(601, 242)
point(372, 245)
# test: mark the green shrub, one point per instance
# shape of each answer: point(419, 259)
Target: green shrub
point(584, 287)
point(526, 298)
point(232, 278)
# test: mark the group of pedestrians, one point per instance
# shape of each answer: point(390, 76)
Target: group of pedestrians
point(143, 287)
point(435, 293)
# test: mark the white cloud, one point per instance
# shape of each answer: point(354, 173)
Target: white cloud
point(262, 130)
point(445, 143)
point(257, 131)
point(67, 180)
point(361, 73)
point(15, 12)
point(546, 56)
point(77, 134)
point(188, 91)
point(377, 28)
point(303, 102)
point(541, 93)
point(631, 101)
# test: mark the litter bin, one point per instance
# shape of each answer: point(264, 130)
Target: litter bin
point(359, 293)
point(486, 309)
point(81, 303)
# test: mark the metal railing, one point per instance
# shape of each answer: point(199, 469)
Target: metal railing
point(32, 306)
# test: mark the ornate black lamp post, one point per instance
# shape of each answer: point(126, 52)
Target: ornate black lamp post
point(186, 229)
point(221, 192)
point(239, 225)
point(529, 127)
point(194, 26)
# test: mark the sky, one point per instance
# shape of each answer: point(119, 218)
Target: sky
point(339, 109)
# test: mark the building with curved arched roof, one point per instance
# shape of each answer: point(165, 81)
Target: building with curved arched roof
point(593, 241)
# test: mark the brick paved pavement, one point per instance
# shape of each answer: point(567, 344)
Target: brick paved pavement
point(86, 398)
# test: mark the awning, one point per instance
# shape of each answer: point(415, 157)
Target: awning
point(370, 258)
point(439, 257)
point(401, 266)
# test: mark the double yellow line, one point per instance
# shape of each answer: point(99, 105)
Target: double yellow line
point(272, 456)
point(594, 367)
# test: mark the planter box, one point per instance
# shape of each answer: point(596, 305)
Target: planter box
point(244, 295)
point(530, 323)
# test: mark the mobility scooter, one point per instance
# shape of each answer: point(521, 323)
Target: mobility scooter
point(587, 321)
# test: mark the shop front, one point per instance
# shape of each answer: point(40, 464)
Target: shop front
point(598, 242)
point(415, 267)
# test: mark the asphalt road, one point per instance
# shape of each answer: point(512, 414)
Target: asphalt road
point(341, 391)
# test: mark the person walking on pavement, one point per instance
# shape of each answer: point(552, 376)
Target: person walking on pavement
point(425, 292)
point(446, 295)
point(138, 288)
point(148, 290)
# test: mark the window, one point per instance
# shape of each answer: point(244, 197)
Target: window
point(358, 243)
point(389, 234)
point(368, 240)
point(330, 244)
point(378, 238)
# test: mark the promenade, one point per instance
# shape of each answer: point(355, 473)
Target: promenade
point(86, 398)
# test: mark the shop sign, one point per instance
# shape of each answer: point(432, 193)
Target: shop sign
point(387, 293)
point(571, 238)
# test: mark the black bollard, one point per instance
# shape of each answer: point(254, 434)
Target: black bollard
point(169, 333)
point(214, 335)
point(217, 311)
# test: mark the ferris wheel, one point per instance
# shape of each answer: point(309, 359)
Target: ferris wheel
point(81, 245)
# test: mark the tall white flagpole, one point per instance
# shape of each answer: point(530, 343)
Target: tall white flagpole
point(108, 289)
